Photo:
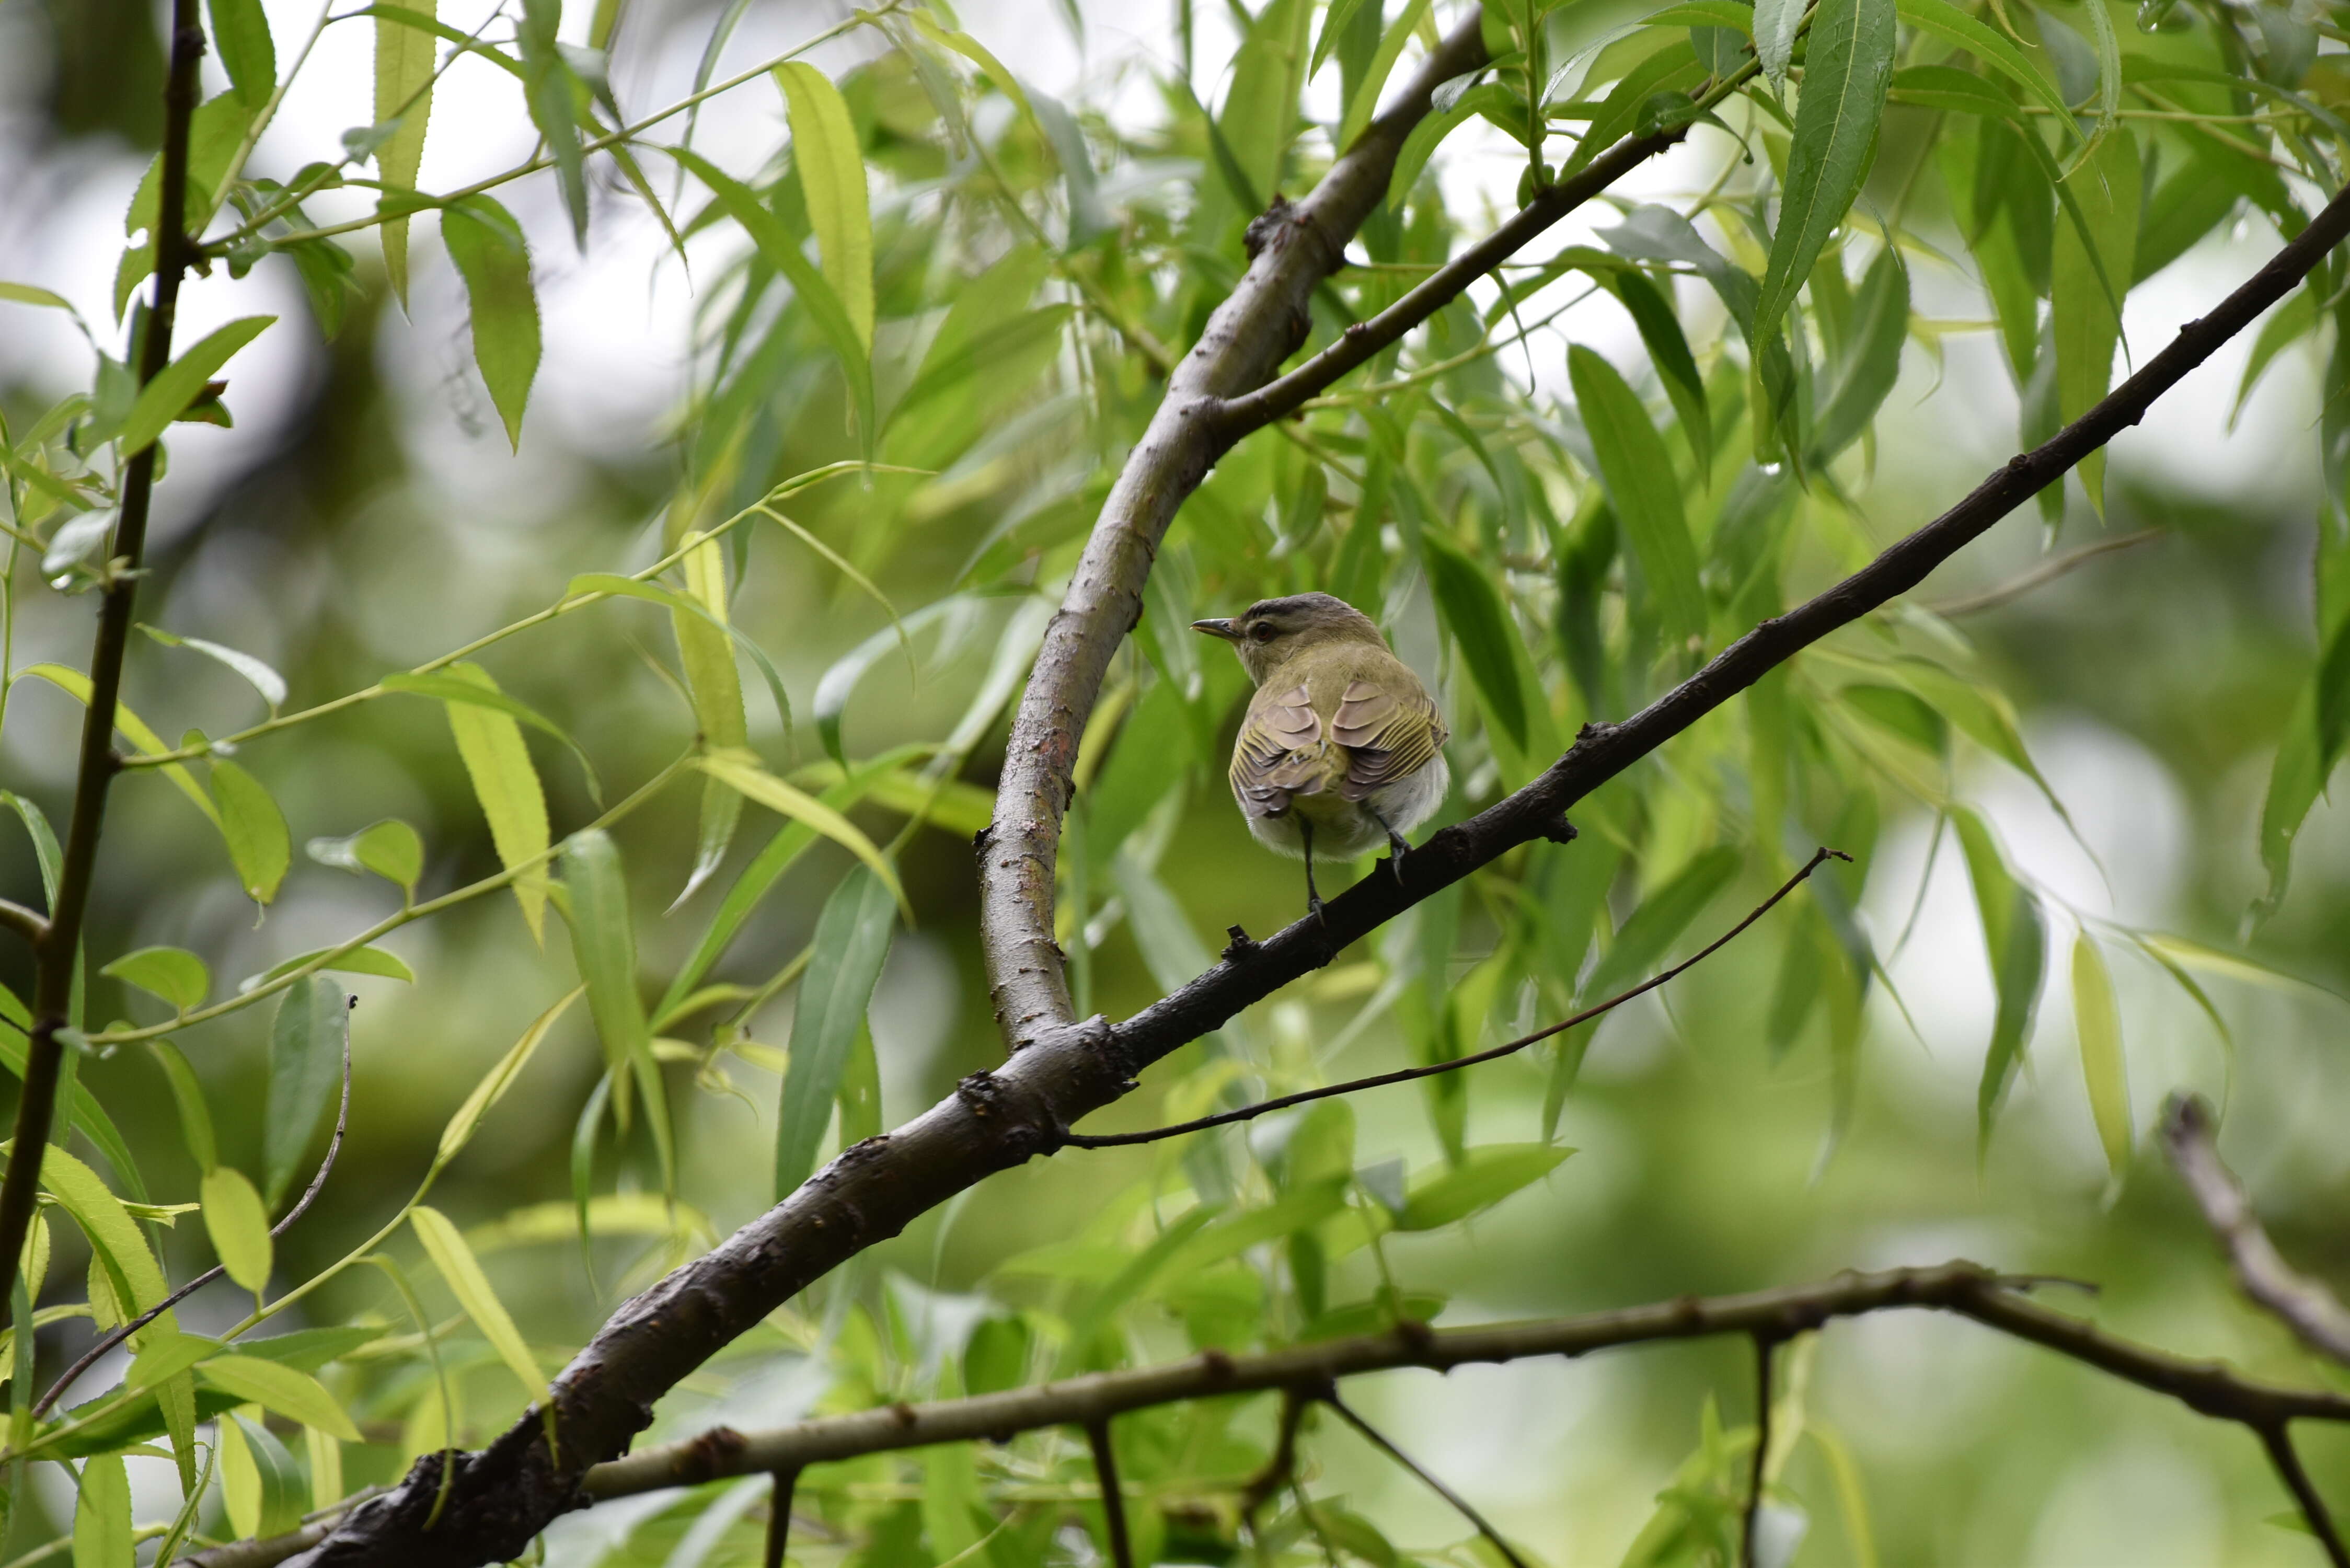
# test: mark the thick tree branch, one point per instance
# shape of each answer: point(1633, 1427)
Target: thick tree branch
point(1292, 250)
point(504, 1494)
point(57, 946)
point(1407, 1074)
point(2189, 1135)
point(1306, 1372)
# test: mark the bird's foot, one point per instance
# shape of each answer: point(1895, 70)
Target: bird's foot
point(1313, 907)
point(1397, 850)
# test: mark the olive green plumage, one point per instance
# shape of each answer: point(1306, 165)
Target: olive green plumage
point(1342, 749)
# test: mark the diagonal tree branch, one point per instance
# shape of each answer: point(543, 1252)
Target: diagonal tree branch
point(1305, 1373)
point(500, 1497)
point(2189, 1137)
point(1428, 1478)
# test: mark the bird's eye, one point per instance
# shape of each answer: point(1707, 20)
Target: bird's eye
point(1262, 631)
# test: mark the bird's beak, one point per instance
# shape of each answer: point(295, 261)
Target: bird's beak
point(1223, 628)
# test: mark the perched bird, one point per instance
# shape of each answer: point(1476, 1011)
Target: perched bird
point(1342, 748)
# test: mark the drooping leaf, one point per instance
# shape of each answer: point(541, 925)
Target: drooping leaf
point(1637, 473)
point(403, 91)
point(306, 1074)
point(458, 685)
point(1848, 69)
point(494, 259)
point(1775, 21)
point(499, 1079)
point(368, 959)
point(75, 684)
point(831, 166)
point(1651, 929)
point(707, 655)
point(1947, 21)
point(188, 1096)
point(852, 939)
point(2015, 942)
point(162, 399)
point(256, 672)
point(101, 1528)
point(1490, 1173)
point(1669, 350)
point(1474, 612)
point(175, 974)
point(446, 1245)
point(604, 945)
point(1871, 361)
point(741, 771)
point(239, 1227)
point(506, 785)
point(254, 829)
point(550, 87)
point(2294, 779)
point(240, 35)
point(2097, 1019)
point(1365, 101)
point(2105, 190)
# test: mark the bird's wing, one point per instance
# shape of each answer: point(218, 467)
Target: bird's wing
point(1279, 753)
point(1386, 737)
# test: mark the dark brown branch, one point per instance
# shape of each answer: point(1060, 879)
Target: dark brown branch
point(57, 950)
point(2191, 1138)
point(1292, 250)
point(1428, 1478)
point(1303, 1371)
point(2282, 1454)
point(779, 1516)
point(1406, 1075)
point(1283, 1462)
point(504, 1494)
point(1113, 1494)
point(1765, 1350)
point(107, 1342)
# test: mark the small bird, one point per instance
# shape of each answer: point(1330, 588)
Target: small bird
point(1342, 747)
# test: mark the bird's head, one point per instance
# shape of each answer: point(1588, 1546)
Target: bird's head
point(1271, 632)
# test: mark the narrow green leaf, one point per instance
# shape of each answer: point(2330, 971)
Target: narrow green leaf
point(852, 939)
point(741, 771)
point(240, 35)
point(446, 1247)
point(1365, 101)
point(280, 1389)
point(306, 1074)
point(2104, 188)
point(238, 1226)
point(493, 258)
point(506, 785)
point(254, 829)
point(347, 960)
point(188, 1096)
point(2098, 1020)
point(164, 399)
point(167, 1355)
point(1669, 350)
point(1638, 474)
point(1649, 932)
point(44, 842)
point(75, 684)
point(389, 848)
point(707, 655)
point(604, 945)
point(550, 88)
point(831, 166)
point(1472, 611)
point(175, 974)
point(131, 1269)
point(102, 1536)
point(2015, 942)
point(1947, 21)
point(2294, 779)
point(1234, 1235)
point(1334, 25)
point(256, 672)
point(1775, 25)
point(682, 604)
point(2291, 323)
point(1492, 1173)
point(403, 91)
point(459, 686)
point(1848, 68)
point(26, 293)
point(499, 1079)
point(1871, 362)
point(2178, 951)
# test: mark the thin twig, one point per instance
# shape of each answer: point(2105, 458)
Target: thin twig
point(1406, 1075)
point(1765, 1346)
point(1283, 1462)
point(22, 920)
point(779, 1515)
point(1428, 1478)
point(2306, 1306)
point(1113, 1496)
point(334, 1147)
point(2047, 571)
point(2278, 1442)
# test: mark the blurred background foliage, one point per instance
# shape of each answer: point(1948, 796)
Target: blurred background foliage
point(1052, 211)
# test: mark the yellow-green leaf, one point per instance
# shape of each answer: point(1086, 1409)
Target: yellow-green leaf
point(175, 974)
point(506, 784)
point(404, 90)
point(2105, 188)
point(101, 1530)
point(499, 1079)
point(494, 259)
point(276, 1386)
point(741, 771)
point(832, 174)
point(135, 730)
point(447, 1248)
point(238, 1226)
point(604, 944)
point(255, 830)
point(2099, 1022)
point(707, 654)
point(389, 848)
point(131, 1269)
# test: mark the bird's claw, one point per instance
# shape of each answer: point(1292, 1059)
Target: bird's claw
point(1397, 850)
point(1313, 907)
